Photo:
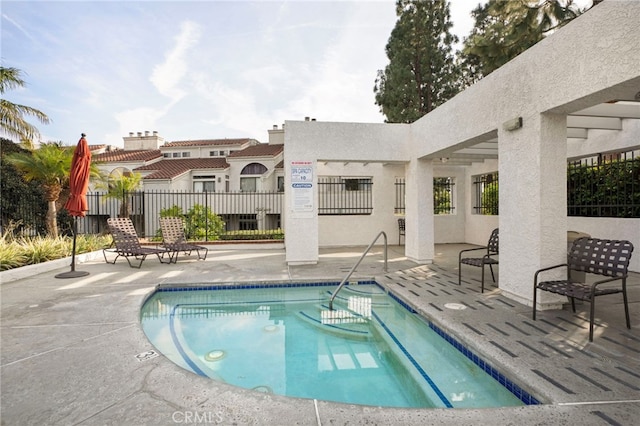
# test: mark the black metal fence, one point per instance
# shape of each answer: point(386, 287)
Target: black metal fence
point(485, 188)
point(345, 196)
point(245, 214)
point(400, 196)
point(606, 185)
point(442, 196)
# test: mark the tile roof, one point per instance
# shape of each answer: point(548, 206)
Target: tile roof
point(167, 169)
point(122, 155)
point(260, 150)
point(209, 142)
point(280, 165)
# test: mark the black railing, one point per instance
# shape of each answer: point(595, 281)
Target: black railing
point(486, 192)
point(250, 212)
point(442, 196)
point(345, 196)
point(400, 194)
point(606, 185)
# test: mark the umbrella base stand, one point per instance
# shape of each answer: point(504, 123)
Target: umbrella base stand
point(73, 273)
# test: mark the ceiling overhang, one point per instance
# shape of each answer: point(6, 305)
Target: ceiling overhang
point(606, 116)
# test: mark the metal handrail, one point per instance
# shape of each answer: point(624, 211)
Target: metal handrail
point(333, 296)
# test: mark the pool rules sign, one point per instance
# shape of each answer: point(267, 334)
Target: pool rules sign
point(302, 188)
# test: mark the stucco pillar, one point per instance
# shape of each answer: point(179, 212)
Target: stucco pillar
point(533, 204)
point(301, 211)
point(419, 238)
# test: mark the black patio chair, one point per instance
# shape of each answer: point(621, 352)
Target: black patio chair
point(487, 259)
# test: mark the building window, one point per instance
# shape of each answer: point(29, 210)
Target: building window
point(204, 186)
point(357, 184)
point(344, 196)
point(247, 222)
point(253, 169)
point(176, 155)
point(186, 154)
point(204, 183)
point(443, 195)
point(280, 183)
point(213, 153)
point(166, 155)
point(248, 184)
point(486, 194)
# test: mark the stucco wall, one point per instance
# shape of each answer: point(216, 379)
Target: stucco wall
point(362, 229)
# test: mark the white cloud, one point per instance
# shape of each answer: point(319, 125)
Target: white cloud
point(167, 76)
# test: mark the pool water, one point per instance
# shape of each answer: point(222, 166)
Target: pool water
point(370, 349)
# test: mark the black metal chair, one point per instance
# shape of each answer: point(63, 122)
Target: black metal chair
point(605, 258)
point(488, 259)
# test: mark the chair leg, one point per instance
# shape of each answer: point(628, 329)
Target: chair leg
point(535, 293)
point(459, 273)
point(626, 302)
point(144, 256)
point(482, 284)
point(492, 275)
point(593, 308)
point(206, 251)
point(573, 304)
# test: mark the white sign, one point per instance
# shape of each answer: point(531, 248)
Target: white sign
point(302, 187)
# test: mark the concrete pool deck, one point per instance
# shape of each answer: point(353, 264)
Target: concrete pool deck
point(72, 350)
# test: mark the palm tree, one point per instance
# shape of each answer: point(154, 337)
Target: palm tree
point(12, 122)
point(49, 165)
point(119, 186)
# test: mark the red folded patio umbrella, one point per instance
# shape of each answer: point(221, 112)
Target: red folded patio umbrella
point(76, 205)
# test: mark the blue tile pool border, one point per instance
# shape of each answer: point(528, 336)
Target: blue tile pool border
point(214, 287)
point(516, 390)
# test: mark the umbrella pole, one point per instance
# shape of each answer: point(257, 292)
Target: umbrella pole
point(73, 273)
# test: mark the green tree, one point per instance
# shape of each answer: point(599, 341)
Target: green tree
point(21, 203)
point(421, 74)
point(12, 116)
point(200, 222)
point(504, 29)
point(441, 195)
point(119, 186)
point(48, 165)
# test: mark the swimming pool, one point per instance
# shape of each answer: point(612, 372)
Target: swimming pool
point(372, 349)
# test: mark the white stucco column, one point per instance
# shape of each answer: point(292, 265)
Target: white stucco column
point(419, 238)
point(301, 211)
point(533, 204)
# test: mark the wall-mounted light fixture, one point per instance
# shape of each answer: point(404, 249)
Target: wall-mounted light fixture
point(513, 124)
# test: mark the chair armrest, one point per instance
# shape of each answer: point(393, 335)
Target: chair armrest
point(473, 249)
point(535, 277)
point(608, 280)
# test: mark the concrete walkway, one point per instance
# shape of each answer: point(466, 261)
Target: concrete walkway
point(71, 348)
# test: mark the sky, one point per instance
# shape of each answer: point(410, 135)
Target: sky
point(203, 69)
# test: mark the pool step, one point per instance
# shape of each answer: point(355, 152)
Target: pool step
point(374, 294)
point(337, 321)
